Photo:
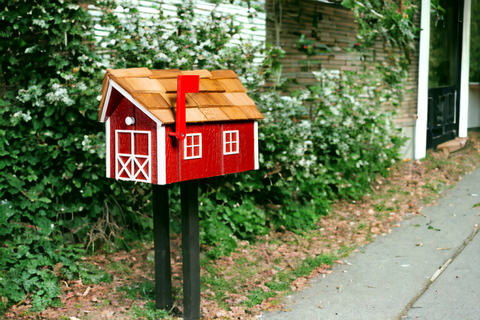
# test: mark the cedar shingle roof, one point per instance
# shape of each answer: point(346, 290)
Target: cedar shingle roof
point(221, 97)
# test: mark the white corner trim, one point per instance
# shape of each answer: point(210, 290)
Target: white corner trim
point(132, 100)
point(255, 144)
point(105, 103)
point(161, 156)
point(107, 146)
point(420, 143)
point(464, 71)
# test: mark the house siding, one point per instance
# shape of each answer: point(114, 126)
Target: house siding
point(213, 161)
point(337, 30)
point(245, 159)
point(210, 164)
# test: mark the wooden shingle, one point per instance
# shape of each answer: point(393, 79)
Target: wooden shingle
point(171, 99)
point(145, 85)
point(214, 114)
point(210, 85)
point(129, 73)
point(170, 85)
point(238, 99)
point(122, 82)
point(204, 74)
point(232, 85)
point(195, 115)
point(165, 115)
point(223, 74)
point(209, 99)
point(251, 112)
point(151, 100)
point(165, 74)
point(234, 113)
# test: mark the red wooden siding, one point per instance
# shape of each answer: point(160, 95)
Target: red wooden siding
point(115, 98)
point(210, 164)
point(142, 123)
point(213, 162)
point(245, 159)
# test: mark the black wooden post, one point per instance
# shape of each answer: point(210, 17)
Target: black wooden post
point(161, 236)
point(191, 250)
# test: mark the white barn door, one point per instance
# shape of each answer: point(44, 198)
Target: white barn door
point(133, 156)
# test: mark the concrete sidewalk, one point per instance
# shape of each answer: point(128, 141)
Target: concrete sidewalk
point(429, 268)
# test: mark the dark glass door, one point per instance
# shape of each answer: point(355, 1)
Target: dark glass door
point(444, 73)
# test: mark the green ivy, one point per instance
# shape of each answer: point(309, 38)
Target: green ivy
point(389, 21)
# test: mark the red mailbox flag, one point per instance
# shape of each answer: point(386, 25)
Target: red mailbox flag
point(185, 83)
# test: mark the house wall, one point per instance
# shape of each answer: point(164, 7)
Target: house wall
point(213, 162)
point(210, 164)
point(245, 159)
point(336, 29)
point(142, 123)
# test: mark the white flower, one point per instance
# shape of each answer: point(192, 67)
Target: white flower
point(182, 61)
point(40, 23)
point(81, 86)
point(25, 116)
point(162, 56)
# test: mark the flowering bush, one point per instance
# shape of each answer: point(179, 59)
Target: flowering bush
point(352, 135)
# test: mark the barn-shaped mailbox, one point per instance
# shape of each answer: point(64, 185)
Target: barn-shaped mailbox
point(139, 107)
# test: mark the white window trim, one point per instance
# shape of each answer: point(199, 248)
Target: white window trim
point(185, 157)
point(237, 142)
point(132, 159)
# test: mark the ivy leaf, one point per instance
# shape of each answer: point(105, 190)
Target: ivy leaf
point(45, 200)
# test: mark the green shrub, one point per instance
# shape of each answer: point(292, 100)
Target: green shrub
point(52, 150)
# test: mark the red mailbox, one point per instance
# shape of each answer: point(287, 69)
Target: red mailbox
point(166, 126)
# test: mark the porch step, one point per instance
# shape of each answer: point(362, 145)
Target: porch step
point(452, 145)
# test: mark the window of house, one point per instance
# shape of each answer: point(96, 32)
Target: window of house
point(230, 142)
point(193, 146)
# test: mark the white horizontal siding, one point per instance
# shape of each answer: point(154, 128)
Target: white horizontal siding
point(253, 28)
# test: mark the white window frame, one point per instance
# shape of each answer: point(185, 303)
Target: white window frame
point(231, 142)
point(128, 165)
point(186, 146)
